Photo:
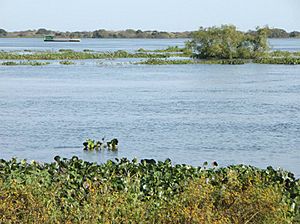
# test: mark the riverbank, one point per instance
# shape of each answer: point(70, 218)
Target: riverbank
point(73, 190)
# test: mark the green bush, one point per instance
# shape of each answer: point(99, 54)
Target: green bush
point(226, 42)
point(76, 191)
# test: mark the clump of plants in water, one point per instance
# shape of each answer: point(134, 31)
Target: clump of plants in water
point(155, 61)
point(279, 60)
point(72, 55)
point(181, 51)
point(66, 50)
point(66, 63)
point(123, 191)
point(91, 145)
point(32, 63)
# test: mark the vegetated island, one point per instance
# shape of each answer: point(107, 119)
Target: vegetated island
point(124, 191)
point(212, 45)
point(129, 33)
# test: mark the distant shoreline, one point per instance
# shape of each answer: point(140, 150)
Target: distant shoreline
point(128, 34)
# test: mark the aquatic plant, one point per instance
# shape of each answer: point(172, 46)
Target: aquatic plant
point(66, 50)
point(91, 145)
point(149, 191)
point(192, 61)
point(32, 63)
point(175, 51)
point(72, 55)
point(87, 50)
point(66, 63)
point(279, 60)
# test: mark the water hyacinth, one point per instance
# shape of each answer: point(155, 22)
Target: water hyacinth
point(91, 145)
point(124, 191)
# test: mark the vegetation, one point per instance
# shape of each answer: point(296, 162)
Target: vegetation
point(91, 145)
point(66, 63)
point(3, 33)
point(284, 54)
point(171, 49)
point(72, 55)
point(66, 50)
point(32, 63)
point(282, 60)
point(101, 33)
point(76, 191)
point(226, 42)
point(190, 61)
point(279, 33)
point(130, 33)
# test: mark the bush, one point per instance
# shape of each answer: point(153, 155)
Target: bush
point(76, 191)
point(226, 42)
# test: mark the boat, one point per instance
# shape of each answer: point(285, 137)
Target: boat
point(51, 38)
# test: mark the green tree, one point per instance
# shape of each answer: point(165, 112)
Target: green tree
point(226, 42)
point(3, 33)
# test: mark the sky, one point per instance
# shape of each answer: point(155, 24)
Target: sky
point(163, 15)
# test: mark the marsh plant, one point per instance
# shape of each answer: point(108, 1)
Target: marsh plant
point(31, 63)
point(93, 145)
point(66, 63)
point(123, 191)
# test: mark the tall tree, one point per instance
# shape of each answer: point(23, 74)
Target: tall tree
point(226, 42)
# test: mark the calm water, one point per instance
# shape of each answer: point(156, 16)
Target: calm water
point(190, 113)
point(17, 44)
point(20, 44)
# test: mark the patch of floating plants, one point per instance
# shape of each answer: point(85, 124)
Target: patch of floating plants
point(31, 63)
point(94, 145)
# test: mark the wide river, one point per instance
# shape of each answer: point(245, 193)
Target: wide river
point(233, 114)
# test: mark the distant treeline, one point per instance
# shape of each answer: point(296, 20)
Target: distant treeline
point(130, 33)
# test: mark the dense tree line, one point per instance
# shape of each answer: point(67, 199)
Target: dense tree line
point(101, 33)
point(130, 33)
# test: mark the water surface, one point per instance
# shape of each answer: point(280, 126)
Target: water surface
point(190, 113)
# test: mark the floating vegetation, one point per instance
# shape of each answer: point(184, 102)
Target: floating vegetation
point(284, 54)
point(66, 63)
point(91, 145)
point(166, 62)
point(32, 63)
point(191, 61)
point(175, 50)
point(66, 50)
point(123, 191)
point(87, 50)
point(279, 60)
point(155, 57)
point(72, 55)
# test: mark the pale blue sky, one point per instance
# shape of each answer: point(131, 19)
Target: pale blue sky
point(169, 15)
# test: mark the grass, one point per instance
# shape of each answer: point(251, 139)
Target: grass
point(76, 191)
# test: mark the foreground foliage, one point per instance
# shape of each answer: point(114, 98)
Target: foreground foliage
point(76, 191)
